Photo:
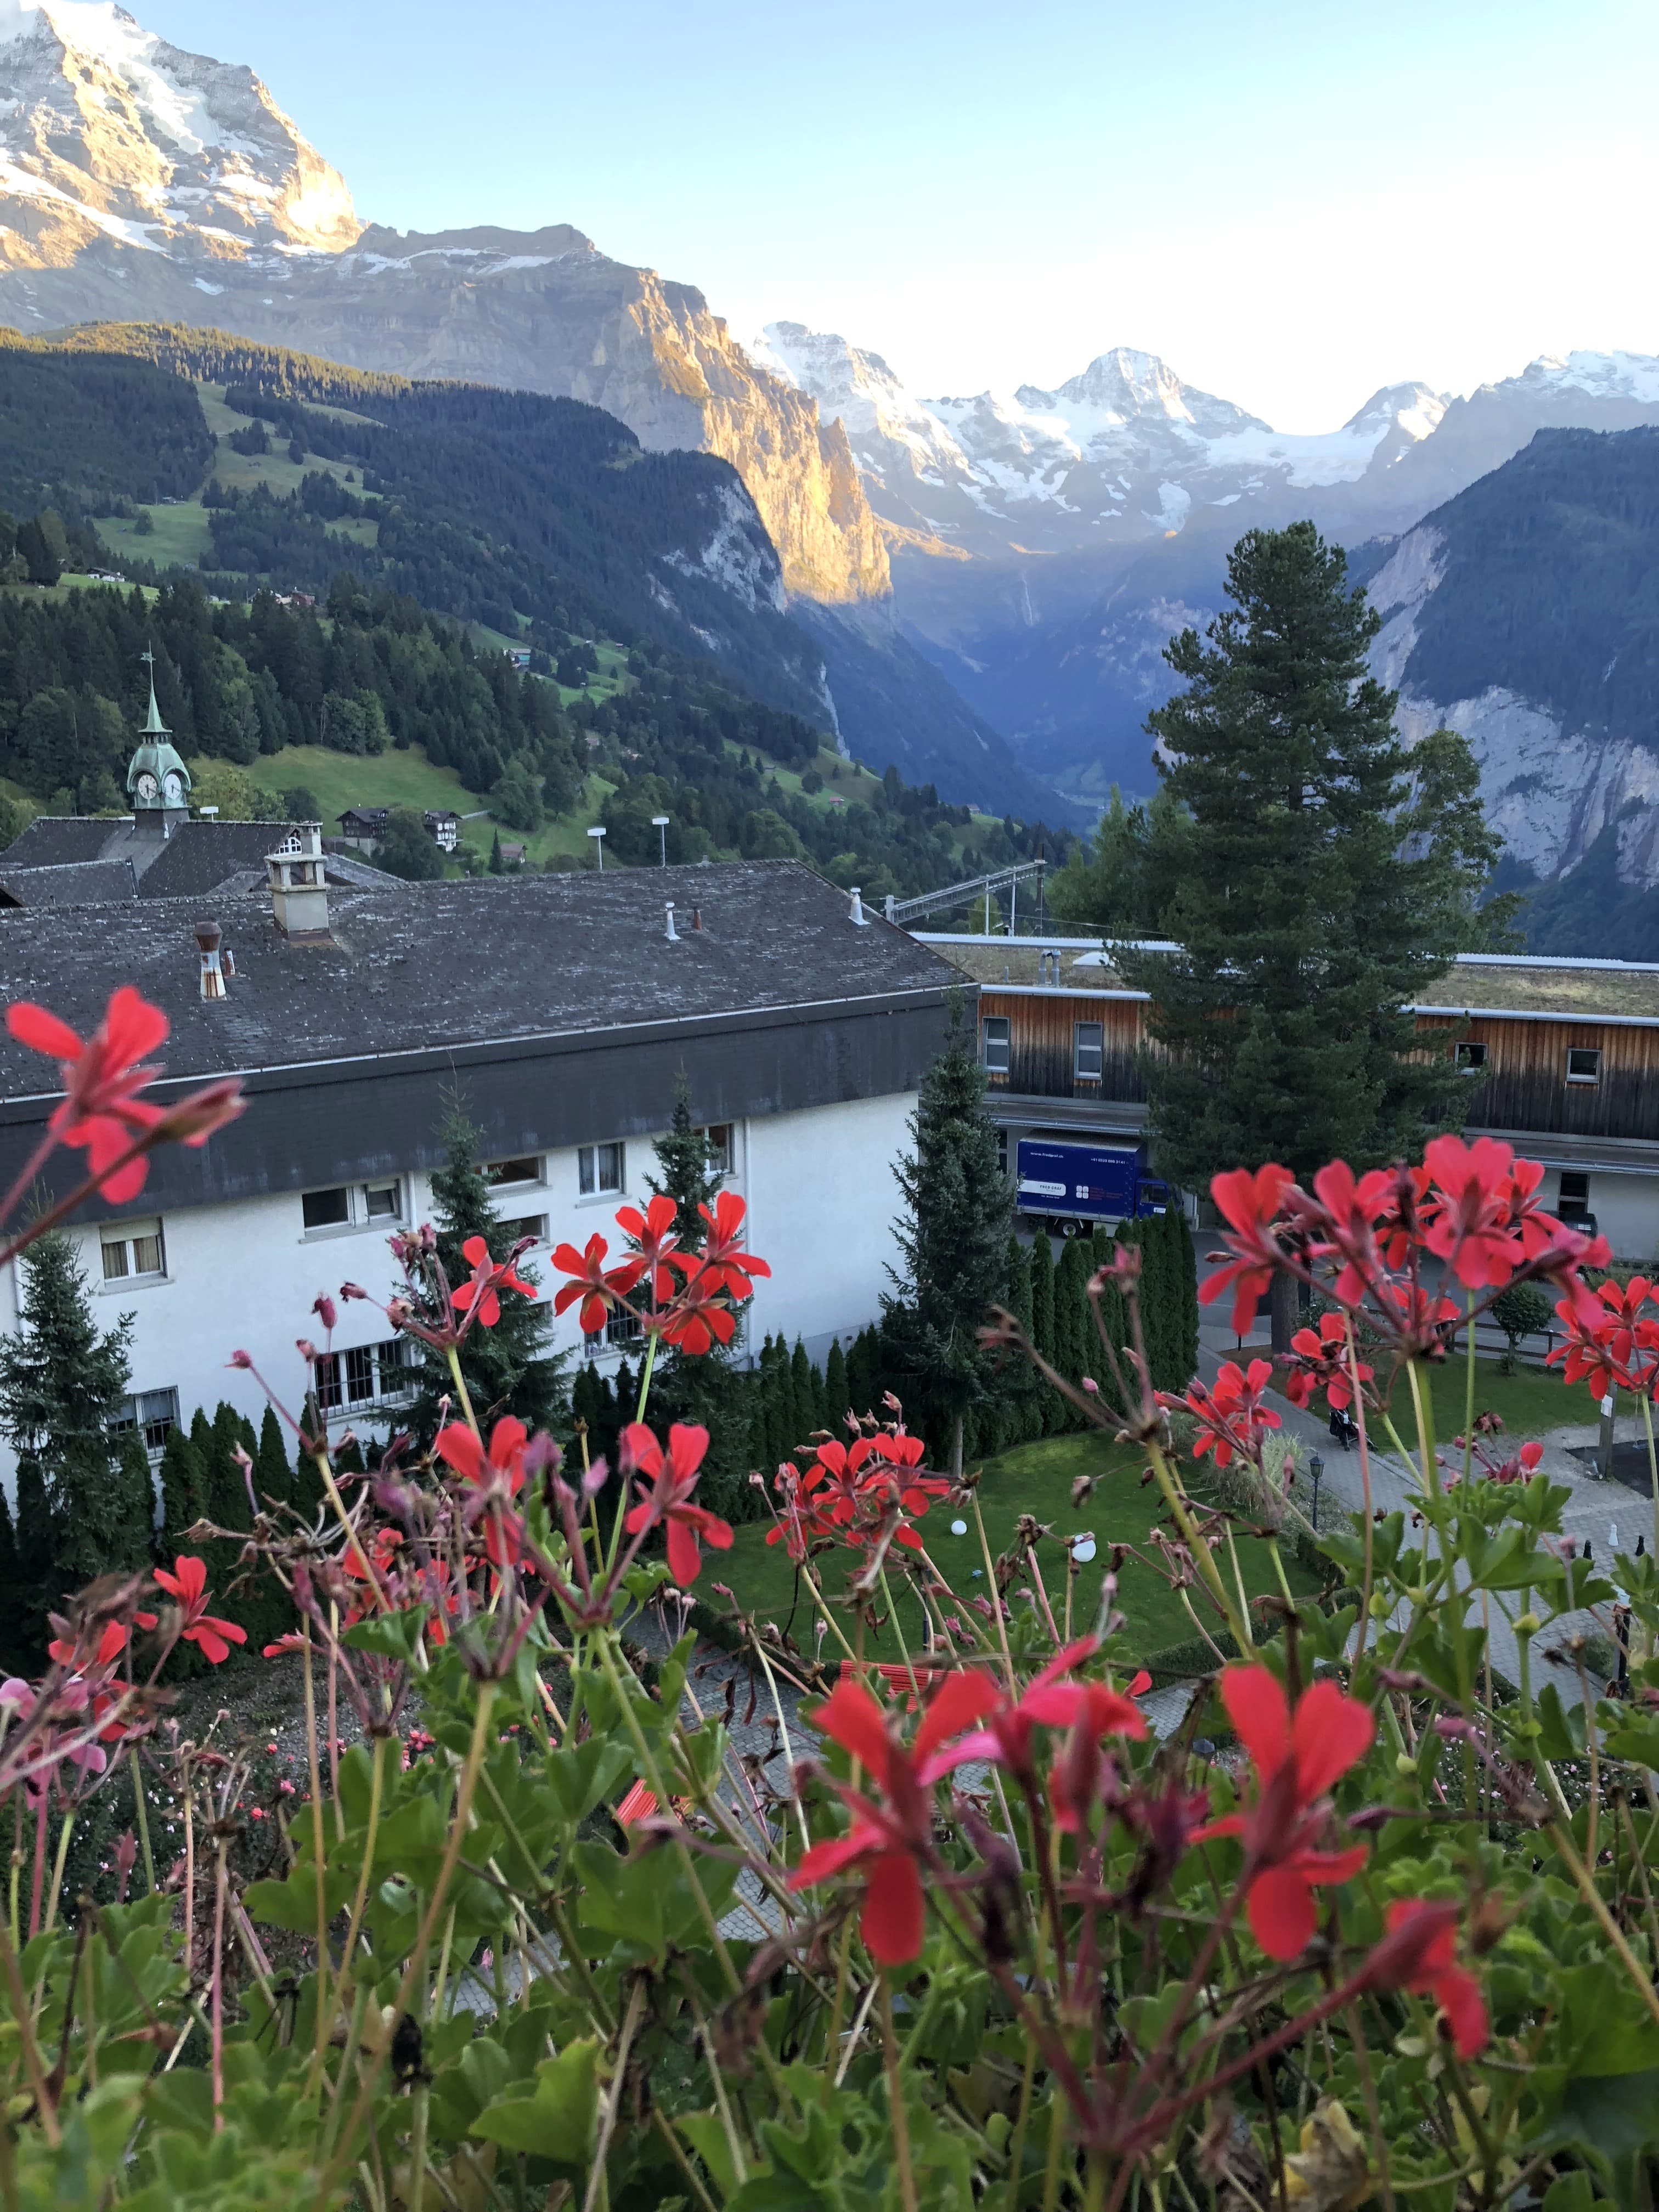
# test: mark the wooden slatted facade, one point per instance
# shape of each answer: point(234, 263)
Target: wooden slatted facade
point(1042, 1043)
point(1524, 1085)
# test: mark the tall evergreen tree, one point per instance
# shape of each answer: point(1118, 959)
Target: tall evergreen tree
point(184, 1492)
point(952, 1237)
point(1073, 1330)
point(1023, 1417)
point(803, 1402)
point(509, 1369)
point(710, 1389)
point(31, 1598)
point(273, 1476)
point(1043, 1326)
point(836, 1401)
point(1322, 888)
point(63, 1385)
point(132, 1533)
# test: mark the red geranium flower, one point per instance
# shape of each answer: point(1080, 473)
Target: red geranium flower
point(1231, 1416)
point(673, 1478)
point(698, 1319)
point(653, 1232)
point(504, 1462)
point(1251, 1203)
point(1297, 1758)
point(188, 1584)
point(68, 1651)
point(724, 1266)
point(489, 1276)
point(1049, 1701)
point(887, 1839)
point(1420, 1954)
point(102, 1075)
point(1319, 1361)
point(597, 1285)
point(1468, 1213)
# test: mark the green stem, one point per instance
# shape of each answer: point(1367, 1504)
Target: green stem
point(143, 1818)
point(64, 1835)
point(645, 1377)
point(1237, 1621)
point(461, 1392)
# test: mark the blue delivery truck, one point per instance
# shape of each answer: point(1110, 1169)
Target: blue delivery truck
point(1072, 1187)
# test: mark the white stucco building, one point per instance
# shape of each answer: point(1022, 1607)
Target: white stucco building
point(561, 1010)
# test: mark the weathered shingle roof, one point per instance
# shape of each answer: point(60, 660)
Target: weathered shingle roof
point(77, 883)
point(466, 962)
point(57, 841)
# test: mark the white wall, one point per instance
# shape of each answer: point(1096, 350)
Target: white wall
point(1625, 1206)
point(243, 1276)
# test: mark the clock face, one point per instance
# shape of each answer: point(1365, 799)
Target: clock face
point(173, 788)
point(147, 790)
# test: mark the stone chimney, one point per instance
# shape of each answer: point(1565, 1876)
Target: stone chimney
point(208, 936)
point(299, 891)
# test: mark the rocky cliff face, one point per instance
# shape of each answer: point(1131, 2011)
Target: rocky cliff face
point(138, 182)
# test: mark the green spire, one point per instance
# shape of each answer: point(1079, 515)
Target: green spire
point(154, 725)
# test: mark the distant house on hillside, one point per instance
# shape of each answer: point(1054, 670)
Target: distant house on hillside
point(364, 826)
point(512, 853)
point(295, 600)
point(520, 656)
point(444, 829)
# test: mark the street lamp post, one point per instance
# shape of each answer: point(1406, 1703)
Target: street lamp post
point(597, 835)
point(660, 824)
point(1316, 1470)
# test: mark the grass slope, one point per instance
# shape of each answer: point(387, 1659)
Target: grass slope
point(1034, 1479)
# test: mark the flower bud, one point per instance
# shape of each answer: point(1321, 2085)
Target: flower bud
point(1404, 1764)
point(1528, 1623)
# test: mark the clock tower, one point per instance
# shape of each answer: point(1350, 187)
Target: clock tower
point(158, 782)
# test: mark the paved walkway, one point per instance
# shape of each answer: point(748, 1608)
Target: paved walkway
point(1604, 1515)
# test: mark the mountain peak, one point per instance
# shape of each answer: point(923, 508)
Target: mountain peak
point(1125, 384)
point(107, 130)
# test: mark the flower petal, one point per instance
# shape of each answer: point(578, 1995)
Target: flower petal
point(961, 1698)
point(853, 1717)
point(892, 1922)
point(1259, 1710)
point(1330, 1732)
point(1282, 1916)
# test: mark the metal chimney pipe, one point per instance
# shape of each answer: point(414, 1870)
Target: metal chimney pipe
point(209, 937)
point(857, 914)
point(671, 932)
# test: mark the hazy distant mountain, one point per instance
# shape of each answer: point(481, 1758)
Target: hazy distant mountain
point(1046, 544)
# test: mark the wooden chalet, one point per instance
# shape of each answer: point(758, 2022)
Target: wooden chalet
point(1561, 1057)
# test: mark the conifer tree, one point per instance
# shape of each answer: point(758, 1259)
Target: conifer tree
point(13, 1653)
point(1072, 1326)
point(273, 1477)
point(509, 1369)
point(835, 1399)
point(1114, 1319)
point(1043, 1326)
point(1322, 890)
point(953, 1238)
point(308, 1493)
point(30, 1598)
point(62, 1392)
point(184, 1492)
point(132, 1533)
point(803, 1396)
point(1022, 1419)
point(708, 1391)
point(864, 1372)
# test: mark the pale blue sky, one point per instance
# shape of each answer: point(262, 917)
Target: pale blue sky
point(1293, 204)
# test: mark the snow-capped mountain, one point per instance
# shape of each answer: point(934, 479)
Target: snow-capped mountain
point(108, 132)
point(1125, 449)
point(138, 182)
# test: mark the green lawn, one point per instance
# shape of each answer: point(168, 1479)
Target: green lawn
point(180, 535)
point(1034, 1479)
point(1530, 1402)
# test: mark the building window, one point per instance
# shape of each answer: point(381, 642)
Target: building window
point(1575, 1188)
point(993, 1044)
point(527, 1169)
point(155, 1414)
point(352, 1205)
point(721, 1139)
point(1470, 1057)
point(1583, 1063)
point(622, 1328)
point(527, 1225)
point(599, 1169)
point(132, 1251)
point(1088, 1050)
point(368, 1374)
